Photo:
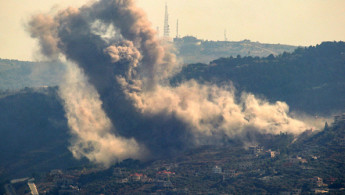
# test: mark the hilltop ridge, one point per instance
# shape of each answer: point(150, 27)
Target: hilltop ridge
point(310, 79)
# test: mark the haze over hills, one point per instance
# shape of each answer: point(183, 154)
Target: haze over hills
point(15, 75)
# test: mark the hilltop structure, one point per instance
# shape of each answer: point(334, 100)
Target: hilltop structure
point(194, 50)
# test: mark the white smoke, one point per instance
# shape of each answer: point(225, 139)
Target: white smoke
point(210, 110)
point(90, 125)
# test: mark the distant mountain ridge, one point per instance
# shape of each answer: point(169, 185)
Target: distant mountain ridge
point(15, 74)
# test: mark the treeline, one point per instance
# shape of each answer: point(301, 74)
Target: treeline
point(16, 75)
point(310, 79)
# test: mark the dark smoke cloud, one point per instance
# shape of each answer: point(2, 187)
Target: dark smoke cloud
point(119, 104)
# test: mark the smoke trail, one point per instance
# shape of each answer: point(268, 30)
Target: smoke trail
point(90, 125)
point(130, 69)
point(209, 109)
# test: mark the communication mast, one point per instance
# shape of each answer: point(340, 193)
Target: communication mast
point(225, 37)
point(177, 35)
point(166, 23)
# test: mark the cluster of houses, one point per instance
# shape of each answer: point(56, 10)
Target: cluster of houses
point(259, 151)
point(161, 179)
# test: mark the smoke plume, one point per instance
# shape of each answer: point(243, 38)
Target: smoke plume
point(124, 101)
point(89, 123)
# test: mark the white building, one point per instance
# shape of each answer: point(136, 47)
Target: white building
point(217, 169)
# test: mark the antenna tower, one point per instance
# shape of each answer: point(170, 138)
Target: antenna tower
point(177, 35)
point(166, 23)
point(225, 37)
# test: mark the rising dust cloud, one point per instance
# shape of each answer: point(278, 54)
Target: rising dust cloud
point(116, 94)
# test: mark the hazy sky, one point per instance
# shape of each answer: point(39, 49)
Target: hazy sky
point(295, 22)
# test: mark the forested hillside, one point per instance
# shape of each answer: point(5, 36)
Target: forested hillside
point(34, 133)
point(310, 79)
